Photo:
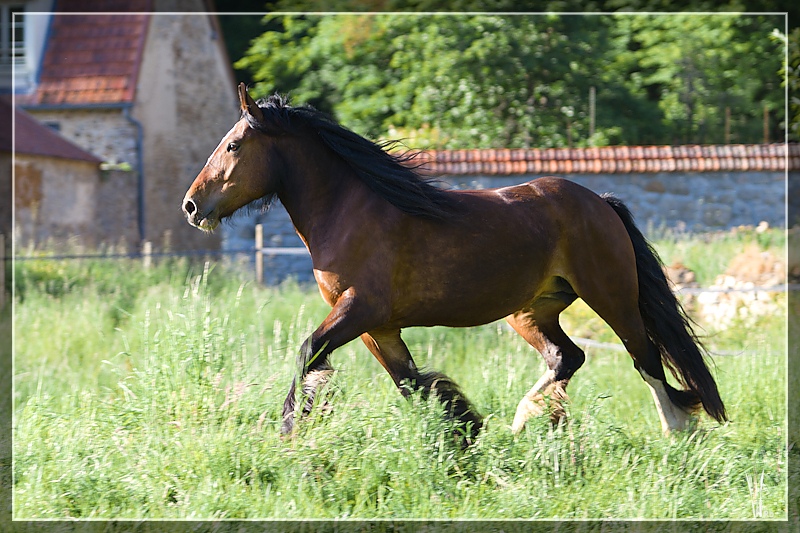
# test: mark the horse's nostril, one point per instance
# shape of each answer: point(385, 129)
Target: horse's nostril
point(189, 207)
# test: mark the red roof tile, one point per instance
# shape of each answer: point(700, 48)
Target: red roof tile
point(614, 159)
point(92, 58)
point(32, 137)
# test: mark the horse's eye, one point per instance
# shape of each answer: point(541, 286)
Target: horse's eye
point(233, 147)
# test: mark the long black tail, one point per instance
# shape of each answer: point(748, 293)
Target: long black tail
point(668, 326)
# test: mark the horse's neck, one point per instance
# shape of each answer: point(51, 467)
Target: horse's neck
point(318, 194)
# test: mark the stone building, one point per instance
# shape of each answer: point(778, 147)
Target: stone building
point(56, 183)
point(60, 191)
point(150, 94)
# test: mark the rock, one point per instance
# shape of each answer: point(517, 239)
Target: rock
point(743, 292)
point(680, 275)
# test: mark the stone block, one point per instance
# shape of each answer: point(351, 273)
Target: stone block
point(655, 185)
point(679, 184)
point(715, 215)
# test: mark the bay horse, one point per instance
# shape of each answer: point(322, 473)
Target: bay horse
point(391, 250)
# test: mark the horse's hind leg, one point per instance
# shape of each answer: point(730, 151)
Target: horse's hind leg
point(390, 350)
point(647, 361)
point(540, 327)
point(672, 416)
point(623, 315)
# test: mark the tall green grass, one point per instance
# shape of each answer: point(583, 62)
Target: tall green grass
point(158, 394)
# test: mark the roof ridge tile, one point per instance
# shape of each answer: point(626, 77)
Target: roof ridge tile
point(612, 159)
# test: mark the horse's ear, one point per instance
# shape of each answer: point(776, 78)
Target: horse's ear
point(249, 106)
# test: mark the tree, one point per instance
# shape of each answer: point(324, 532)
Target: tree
point(451, 81)
point(472, 81)
point(697, 66)
point(791, 71)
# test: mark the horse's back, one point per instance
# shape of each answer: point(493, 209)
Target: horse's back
point(558, 192)
point(545, 210)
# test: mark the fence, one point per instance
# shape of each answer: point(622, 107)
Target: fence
point(147, 255)
point(259, 251)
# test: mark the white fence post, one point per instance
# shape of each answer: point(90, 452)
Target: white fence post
point(147, 254)
point(259, 253)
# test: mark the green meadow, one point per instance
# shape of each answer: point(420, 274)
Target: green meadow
point(157, 394)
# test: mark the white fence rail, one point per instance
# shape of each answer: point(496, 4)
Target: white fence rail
point(261, 251)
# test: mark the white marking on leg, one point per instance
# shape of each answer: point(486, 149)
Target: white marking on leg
point(313, 384)
point(530, 404)
point(316, 379)
point(673, 418)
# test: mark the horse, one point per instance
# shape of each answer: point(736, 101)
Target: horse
point(391, 249)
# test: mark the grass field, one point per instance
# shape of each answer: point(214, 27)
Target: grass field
point(157, 394)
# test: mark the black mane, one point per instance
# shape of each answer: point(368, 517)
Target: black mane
point(393, 176)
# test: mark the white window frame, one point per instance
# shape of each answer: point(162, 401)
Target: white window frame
point(13, 60)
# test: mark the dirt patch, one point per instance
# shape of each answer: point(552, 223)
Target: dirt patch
point(751, 287)
point(762, 269)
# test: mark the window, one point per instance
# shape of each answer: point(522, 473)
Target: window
point(12, 38)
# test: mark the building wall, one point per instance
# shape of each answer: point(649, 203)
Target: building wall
point(115, 210)
point(106, 133)
point(186, 101)
point(111, 136)
point(278, 232)
point(54, 198)
point(692, 202)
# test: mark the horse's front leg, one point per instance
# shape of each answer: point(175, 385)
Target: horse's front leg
point(389, 349)
point(348, 319)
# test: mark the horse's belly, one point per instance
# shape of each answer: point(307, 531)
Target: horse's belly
point(468, 299)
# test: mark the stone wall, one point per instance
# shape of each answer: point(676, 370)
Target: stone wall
point(115, 209)
point(73, 201)
point(106, 133)
point(239, 234)
point(54, 199)
point(694, 202)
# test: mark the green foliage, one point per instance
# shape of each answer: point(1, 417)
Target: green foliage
point(693, 63)
point(473, 81)
point(791, 71)
point(174, 412)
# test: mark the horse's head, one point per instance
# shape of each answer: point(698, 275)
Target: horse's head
point(242, 168)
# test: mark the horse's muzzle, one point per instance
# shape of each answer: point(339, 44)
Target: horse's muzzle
point(203, 221)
